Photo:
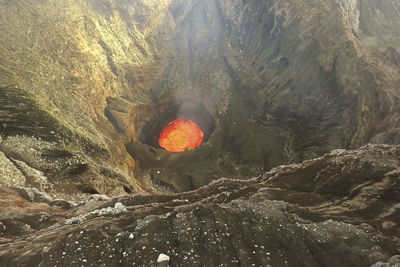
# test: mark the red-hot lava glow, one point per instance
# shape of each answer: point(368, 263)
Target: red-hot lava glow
point(180, 135)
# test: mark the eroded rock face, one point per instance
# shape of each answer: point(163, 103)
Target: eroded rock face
point(284, 82)
point(288, 216)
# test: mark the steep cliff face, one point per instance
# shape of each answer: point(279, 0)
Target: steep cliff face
point(282, 81)
point(60, 61)
point(318, 79)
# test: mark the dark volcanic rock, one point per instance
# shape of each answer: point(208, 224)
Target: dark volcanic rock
point(290, 216)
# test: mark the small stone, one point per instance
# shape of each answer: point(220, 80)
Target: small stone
point(119, 208)
point(162, 260)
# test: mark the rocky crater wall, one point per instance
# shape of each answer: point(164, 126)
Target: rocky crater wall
point(287, 93)
point(283, 82)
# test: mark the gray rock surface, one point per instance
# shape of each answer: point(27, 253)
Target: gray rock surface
point(9, 173)
point(289, 216)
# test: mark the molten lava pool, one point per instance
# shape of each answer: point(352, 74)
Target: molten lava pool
point(180, 135)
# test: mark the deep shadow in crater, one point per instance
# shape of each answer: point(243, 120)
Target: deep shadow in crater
point(183, 171)
point(181, 109)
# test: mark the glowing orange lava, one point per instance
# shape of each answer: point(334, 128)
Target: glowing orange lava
point(180, 135)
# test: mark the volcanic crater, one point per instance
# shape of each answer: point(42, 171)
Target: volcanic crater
point(199, 133)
